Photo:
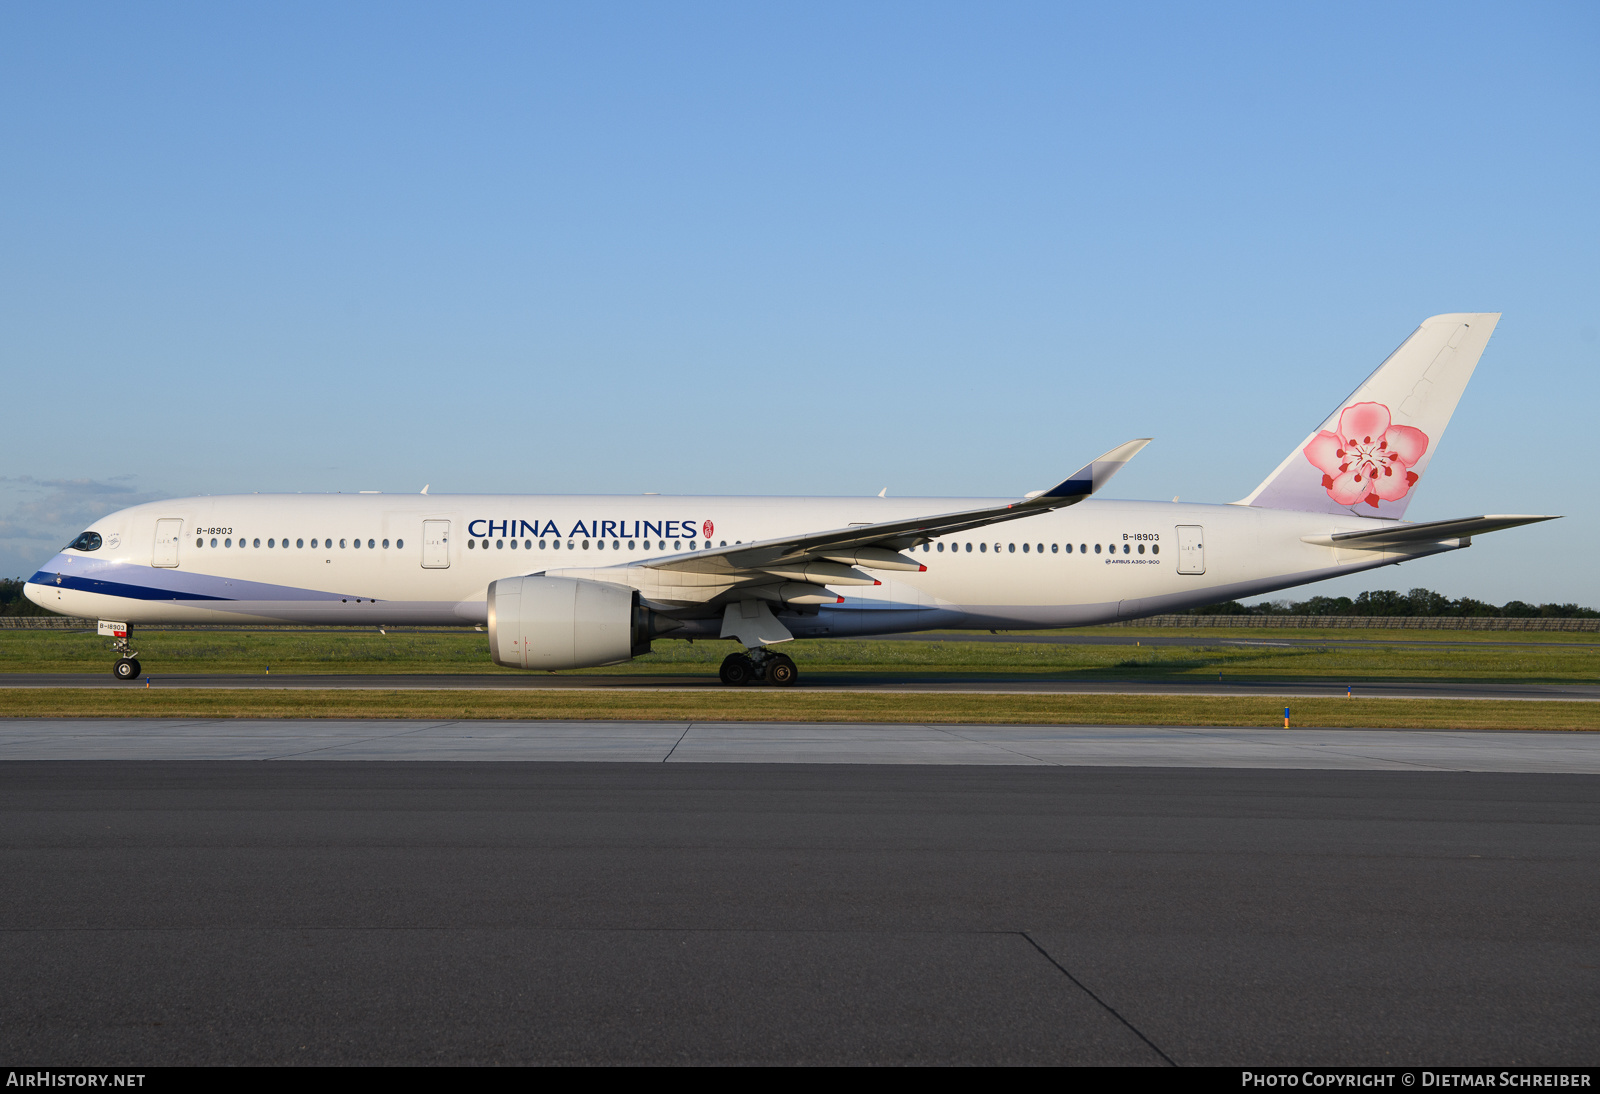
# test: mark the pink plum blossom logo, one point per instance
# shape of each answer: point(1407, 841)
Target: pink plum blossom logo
point(1369, 459)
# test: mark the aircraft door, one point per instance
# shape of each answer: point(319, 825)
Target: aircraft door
point(168, 533)
point(436, 545)
point(1191, 549)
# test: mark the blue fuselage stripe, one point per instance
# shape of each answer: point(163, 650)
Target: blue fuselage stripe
point(115, 588)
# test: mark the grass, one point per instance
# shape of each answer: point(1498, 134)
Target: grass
point(1555, 658)
point(790, 706)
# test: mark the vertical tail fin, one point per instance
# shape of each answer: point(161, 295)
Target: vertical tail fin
point(1370, 454)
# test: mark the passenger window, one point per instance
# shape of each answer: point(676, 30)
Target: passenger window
point(513, 545)
point(633, 545)
point(1055, 548)
point(941, 548)
point(1011, 546)
point(255, 543)
point(1141, 548)
point(229, 542)
point(1155, 548)
point(1126, 549)
point(693, 546)
point(663, 546)
point(969, 548)
point(1069, 548)
point(983, 546)
point(399, 543)
point(371, 544)
point(356, 545)
point(677, 545)
point(585, 545)
point(301, 543)
point(471, 544)
point(527, 545)
point(199, 542)
point(616, 545)
point(271, 543)
point(341, 544)
point(1096, 548)
point(499, 544)
point(722, 543)
point(1083, 548)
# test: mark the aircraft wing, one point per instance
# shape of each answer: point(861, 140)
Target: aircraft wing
point(1405, 535)
point(876, 546)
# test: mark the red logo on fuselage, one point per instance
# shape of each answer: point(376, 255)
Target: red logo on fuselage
point(708, 528)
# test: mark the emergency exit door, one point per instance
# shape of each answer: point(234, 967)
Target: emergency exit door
point(436, 545)
point(1191, 549)
point(168, 533)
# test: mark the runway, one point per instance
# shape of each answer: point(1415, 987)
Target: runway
point(836, 681)
point(804, 743)
point(365, 912)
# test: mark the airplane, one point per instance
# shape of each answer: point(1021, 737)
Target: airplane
point(569, 582)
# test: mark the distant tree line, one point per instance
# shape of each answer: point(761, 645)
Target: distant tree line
point(1424, 602)
point(12, 602)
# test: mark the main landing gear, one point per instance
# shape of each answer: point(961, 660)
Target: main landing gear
point(758, 666)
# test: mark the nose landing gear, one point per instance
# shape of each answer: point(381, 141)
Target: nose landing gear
point(127, 666)
point(759, 666)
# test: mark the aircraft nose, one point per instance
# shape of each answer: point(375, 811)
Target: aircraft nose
point(42, 588)
point(38, 592)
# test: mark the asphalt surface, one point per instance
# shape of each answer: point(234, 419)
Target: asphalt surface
point(197, 913)
point(143, 739)
point(843, 682)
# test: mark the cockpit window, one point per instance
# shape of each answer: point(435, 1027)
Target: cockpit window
point(89, 541)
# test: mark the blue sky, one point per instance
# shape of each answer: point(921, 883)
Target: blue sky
point(944, 249)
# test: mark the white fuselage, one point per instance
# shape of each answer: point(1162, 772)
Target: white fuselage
point(430, 559)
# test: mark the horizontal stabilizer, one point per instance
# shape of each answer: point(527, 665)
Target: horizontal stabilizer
point(1404, 535)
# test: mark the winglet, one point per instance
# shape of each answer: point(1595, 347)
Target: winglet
point(1092, 475)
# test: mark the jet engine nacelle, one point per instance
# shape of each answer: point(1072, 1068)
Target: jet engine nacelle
point(565, 623)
